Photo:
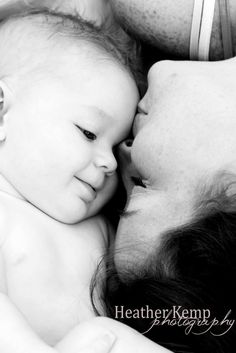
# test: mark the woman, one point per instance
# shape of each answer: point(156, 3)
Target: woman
point(129, 339)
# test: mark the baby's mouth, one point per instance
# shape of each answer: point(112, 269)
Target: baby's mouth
point(89, 192)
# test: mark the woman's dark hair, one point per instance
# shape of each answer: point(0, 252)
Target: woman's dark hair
point(194, 268)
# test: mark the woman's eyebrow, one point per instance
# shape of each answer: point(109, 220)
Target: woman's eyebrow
point(127, 214)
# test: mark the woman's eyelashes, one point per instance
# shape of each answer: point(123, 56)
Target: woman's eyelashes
point(88, 134)
point(138, 182)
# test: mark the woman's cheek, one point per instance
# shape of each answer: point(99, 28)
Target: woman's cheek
point(141, 154)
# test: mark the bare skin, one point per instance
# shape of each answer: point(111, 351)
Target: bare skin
point(98, 11)
point(65, 326)
point(167, 24)
point(127, 339)
point(170, 33)
point(44, 262)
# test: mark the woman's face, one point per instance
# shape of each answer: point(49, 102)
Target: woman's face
point(184, 134)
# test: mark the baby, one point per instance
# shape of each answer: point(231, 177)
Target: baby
point(66, 100)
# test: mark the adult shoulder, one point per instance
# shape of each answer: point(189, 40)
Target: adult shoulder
point(167, 24)
point(127, 339)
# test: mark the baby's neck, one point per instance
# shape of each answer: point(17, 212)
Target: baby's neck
point(7, 188)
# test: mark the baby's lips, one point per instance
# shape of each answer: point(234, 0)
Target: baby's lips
point(98, 185)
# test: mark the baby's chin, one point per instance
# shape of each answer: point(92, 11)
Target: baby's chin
point(74, 208)
point(74, 214)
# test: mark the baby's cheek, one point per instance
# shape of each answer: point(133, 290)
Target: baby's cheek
point(104, 195)
point(107, 192)
point(111, 186)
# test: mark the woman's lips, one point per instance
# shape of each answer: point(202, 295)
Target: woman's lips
point(88, 192)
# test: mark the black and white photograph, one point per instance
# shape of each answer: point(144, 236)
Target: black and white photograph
point(117, 176)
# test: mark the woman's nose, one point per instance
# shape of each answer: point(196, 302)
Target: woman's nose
point(124, 150)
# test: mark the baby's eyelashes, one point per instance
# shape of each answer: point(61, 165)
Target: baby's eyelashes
point(88, 134)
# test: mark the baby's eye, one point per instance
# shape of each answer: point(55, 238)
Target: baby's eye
point(88, 134)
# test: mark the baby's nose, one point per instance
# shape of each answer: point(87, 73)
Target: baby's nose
point(124, 150)
point(111, 165)
point(107, 162)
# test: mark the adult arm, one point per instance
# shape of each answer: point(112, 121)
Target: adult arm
point(7, 7)
point(16, 335)
point(98, 11)
point(166, 24)
point(127, 339)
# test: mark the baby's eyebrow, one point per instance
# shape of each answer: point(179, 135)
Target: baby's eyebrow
point(100, 112)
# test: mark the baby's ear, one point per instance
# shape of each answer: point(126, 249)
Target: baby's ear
point(5, 100)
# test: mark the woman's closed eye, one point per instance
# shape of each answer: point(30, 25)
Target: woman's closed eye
point(88, 134)
point(138, 182)
point(141, 109)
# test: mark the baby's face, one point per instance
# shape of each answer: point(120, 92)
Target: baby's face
point(61, 133)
